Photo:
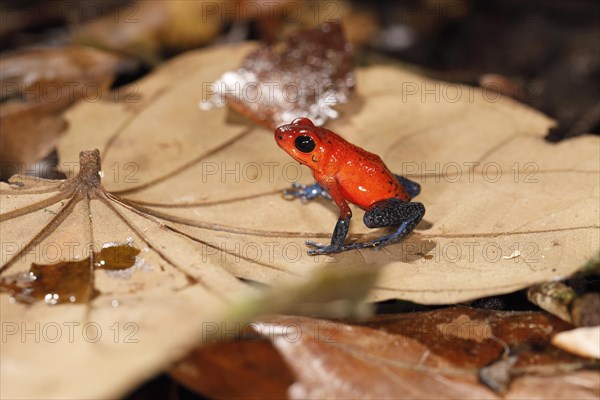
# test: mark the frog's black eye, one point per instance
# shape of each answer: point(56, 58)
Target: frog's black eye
point(305, 144)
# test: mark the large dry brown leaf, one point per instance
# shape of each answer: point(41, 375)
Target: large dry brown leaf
point(483, 234)
point(437, 354)
point(140, 292)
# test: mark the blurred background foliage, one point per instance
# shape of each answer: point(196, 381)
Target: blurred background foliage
point(542, 52)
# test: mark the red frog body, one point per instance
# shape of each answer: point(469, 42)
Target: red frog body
point(346, 173)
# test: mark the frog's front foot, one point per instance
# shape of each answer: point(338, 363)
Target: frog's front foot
point(305, 192)
point(320, 248)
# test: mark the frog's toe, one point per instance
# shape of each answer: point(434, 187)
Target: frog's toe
point(324, 194)
point(293, 193)
point(298, 191)
point(305, 192)
point(313, 252)
point(315, 244)
point(320, 248)
point(289, 195)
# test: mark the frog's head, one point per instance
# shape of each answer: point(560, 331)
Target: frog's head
point(302, 140)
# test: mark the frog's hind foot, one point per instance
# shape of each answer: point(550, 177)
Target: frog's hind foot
point(394, 212)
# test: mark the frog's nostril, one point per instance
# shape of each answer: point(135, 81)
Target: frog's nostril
point(279, 132)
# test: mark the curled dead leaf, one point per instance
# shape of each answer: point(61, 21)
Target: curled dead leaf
point(554, 297)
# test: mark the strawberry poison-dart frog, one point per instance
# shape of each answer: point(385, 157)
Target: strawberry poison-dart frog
point(345, 173)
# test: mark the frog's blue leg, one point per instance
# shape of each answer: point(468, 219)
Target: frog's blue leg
point(412, 187)
point(306, 192)
point(394, 212)
point(391, 212)
point(337, 239)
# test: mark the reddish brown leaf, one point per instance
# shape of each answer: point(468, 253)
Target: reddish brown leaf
point(435, 354)
point(236, 369)
point(311, 75)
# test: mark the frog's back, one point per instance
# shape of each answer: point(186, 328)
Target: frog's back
point(365, 179)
